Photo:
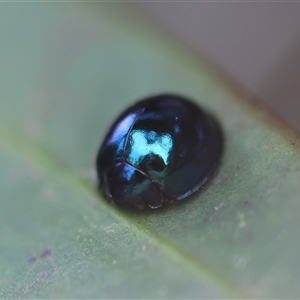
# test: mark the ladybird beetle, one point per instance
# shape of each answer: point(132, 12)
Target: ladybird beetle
point(161, 149)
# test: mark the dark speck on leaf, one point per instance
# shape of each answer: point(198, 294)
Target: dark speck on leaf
point(46, 253)
point(32, 260)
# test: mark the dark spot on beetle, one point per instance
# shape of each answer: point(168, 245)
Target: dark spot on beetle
point(32, 260)
point(153, 163)
point(45, 254)
point(159, 150)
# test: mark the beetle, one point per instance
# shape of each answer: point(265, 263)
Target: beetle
point(162, 148)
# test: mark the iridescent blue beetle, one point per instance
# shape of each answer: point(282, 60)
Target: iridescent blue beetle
point(161, 149)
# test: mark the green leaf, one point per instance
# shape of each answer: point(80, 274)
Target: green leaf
point(66, 72)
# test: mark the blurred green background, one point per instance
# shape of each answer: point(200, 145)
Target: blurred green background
point(257, 42)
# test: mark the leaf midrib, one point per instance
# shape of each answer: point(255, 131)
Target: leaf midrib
point(18, 141)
